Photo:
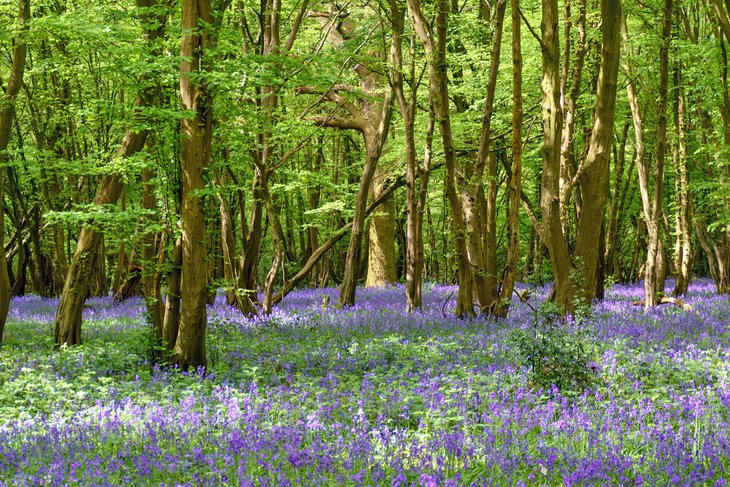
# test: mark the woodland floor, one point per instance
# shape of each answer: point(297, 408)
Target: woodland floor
point(372, 396)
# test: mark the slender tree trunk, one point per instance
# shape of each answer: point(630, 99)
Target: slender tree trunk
point(654, 278)
point(515, 177)
point(567, 149)
point(228, 244)
point(484, 267)
point(684, 254)
point(642, 165)
point(246, 294)
point(149, 279)
point(594, 181)
point(354, 249)
point(435, 47)
point(618, 193)
point(171, 320)
point(407, 110)
point(277, 244)
point(7, 112)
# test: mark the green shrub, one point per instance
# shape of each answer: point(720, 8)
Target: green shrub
point(554, 353)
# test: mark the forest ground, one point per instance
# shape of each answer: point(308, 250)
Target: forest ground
point(370, 395)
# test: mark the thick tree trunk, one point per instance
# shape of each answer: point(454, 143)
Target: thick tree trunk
point(552, 119)
point(381, 238)
point(594, 181)
point(7, 112)
point(196, 140)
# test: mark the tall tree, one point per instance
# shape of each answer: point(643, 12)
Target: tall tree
point(78, 279)
point(7, 111)
point(594, 180)
point(416, 187)
point(515, 176)
point(196, 141)
point(552, 121)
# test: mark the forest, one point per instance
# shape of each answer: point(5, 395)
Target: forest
point(357, 242)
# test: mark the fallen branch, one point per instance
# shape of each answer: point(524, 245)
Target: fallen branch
point(667, 300)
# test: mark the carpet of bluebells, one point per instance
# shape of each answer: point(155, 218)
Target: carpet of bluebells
point(370, 395)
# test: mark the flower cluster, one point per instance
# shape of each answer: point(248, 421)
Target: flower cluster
point(369, 395)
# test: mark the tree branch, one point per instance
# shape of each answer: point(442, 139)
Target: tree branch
point(532, 31)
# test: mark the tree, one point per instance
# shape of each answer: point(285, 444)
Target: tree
point(594, 180)
point(196, 141)
point(552, 121)
point(7, 111)
point(85, 258)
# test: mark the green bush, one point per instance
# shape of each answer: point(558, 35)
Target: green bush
point(554, 352)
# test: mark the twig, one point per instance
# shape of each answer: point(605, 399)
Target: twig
point(443, 306)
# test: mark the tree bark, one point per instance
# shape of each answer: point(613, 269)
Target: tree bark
point(683, 218)
point(7, 112)
point(171, 320)
point(150, 281)
point(515, 177)
point(552, 120)
point(76, 285)
point(435, 48)
point(570, 104)
point(381, 237)
point(642, 165)
point(594, 181)
point(196, 140)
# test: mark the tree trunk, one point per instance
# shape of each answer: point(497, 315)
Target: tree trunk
point(654, 278)
point(7, 112)
point(515, 177)
point(381, 238)
point(642, 165)
point(594, 181)
point(228, 244)
point(352, 260)
point(150, 279)
point(196, 140)
point(246, 294)
point(277, 245)
point(567, 149)
point(76, 285)
point(683, 218)
point(407, 110)
point(171, 321)
point(435, 47)
point(618, 193)
point(552, 119)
